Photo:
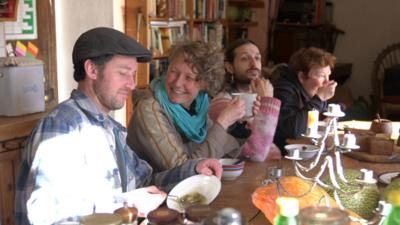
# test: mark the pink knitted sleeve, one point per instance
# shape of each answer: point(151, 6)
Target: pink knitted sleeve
point(257, 146)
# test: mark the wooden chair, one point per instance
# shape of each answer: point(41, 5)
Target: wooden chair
point(387, 60)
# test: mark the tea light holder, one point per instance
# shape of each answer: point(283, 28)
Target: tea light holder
point(294, 154)
point(367, 177)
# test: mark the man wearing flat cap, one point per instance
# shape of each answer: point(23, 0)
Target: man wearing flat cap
point(76, 160)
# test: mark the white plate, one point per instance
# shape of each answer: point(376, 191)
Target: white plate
point(311, 136)
point(338, 114)
point(387, 177)
point(141, 199)
point(208, 186)
point(349, 147)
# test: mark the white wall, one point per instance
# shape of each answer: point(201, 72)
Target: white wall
point(370, 26)
point(74, 17)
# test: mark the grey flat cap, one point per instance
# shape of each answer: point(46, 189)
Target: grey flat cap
point(107, 41)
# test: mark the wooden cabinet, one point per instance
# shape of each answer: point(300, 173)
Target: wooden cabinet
point(288, 38)
point(13, 133)
point(140, 14)
point(14, 130)
point(9, 165)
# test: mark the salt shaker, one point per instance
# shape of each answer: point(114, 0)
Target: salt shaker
point(229, 216)
point(197, 214)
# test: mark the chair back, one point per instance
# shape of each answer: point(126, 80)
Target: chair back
point(386, 59)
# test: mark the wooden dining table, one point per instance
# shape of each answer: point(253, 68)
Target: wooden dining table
point(237, 193)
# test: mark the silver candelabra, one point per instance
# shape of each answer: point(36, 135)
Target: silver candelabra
point(306, 159)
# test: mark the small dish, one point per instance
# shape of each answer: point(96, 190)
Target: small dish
point(349, 146)
point(386, 177)
point(293, 158)
point(336, 114)
point(305, 151)
point(311, 136)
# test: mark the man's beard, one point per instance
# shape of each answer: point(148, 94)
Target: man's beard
point(246, 79)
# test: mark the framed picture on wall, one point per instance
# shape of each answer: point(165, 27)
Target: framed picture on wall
point(8, 10)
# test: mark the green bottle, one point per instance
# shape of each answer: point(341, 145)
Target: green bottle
point(288, 210)
point(394, 215)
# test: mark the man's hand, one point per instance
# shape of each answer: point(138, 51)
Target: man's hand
point(262, 87)
point(327, 91)
point(209, 167)
point(155, 190)
point(144, 199)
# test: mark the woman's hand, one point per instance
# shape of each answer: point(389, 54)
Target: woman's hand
point(327, 91)
point(262, 87)
point(234, 111)
point(209, 167)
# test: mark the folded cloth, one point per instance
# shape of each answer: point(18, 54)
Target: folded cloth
point(141, 199)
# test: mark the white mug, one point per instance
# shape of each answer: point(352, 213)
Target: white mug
point(249, 99)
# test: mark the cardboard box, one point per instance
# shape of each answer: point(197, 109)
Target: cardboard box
point(21, 86)
point(381, 146)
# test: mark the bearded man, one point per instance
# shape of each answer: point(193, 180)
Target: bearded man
point(243, 74)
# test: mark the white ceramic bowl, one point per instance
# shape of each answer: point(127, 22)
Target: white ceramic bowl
point(231, 174)
point(231, 163)
point(231, 171)
point(208, 186)
point(306, 151)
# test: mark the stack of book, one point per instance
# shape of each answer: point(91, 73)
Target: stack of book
point(209, 32)
point(209, 9)
point(164, 34)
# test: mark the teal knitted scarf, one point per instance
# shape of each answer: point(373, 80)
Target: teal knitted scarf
point(194, 127)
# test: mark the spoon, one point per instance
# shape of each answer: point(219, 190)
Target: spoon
point(378, 117)
point(241, 160)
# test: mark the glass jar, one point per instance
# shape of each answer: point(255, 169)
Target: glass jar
point(322, 215)
point(101, 219)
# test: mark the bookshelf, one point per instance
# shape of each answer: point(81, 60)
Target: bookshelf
point(159, 23)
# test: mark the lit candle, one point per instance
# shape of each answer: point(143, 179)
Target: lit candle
point(312, 122)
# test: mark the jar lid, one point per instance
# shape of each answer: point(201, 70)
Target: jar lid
point(324, 215)
point(101, 219)
point(163, 216)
